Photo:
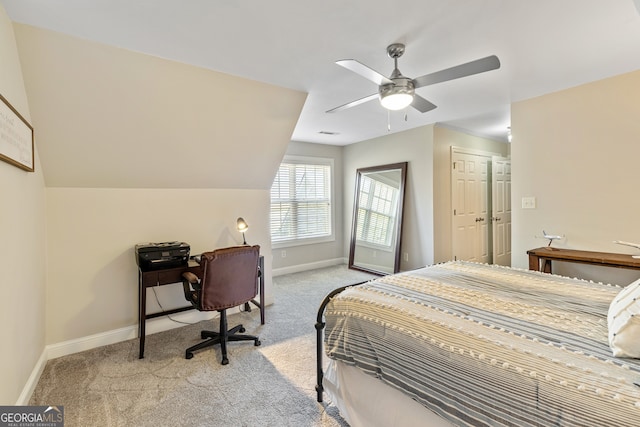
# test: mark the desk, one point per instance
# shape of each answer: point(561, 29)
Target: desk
point(540, 258)
point(171, 275)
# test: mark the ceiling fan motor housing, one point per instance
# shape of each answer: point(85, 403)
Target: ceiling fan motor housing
point(400, 85)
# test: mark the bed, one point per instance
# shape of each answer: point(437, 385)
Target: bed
point(469, 344)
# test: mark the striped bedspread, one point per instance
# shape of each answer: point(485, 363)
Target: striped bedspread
point(485, 345)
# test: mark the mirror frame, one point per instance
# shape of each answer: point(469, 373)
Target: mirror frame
point(402, 166)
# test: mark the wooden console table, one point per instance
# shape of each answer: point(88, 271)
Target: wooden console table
point(540, 258)
point(168, 276)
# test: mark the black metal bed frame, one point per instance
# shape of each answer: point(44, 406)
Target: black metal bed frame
point(320, 324)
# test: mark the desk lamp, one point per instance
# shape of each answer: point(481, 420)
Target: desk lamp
point(242, 226)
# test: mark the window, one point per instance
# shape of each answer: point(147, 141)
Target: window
point(376, 213)
point(301, 210)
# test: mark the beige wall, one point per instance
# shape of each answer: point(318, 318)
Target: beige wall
point(416, 147)
point(444, 139)
point(577, 152)
point(22, 252)
point(92, 279)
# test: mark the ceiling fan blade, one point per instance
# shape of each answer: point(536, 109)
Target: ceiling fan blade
point(364, 71)
point(354, 103)
point(422, 105)
point(463, 70)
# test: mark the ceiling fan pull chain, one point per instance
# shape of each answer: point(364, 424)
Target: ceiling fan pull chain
point(406, 118)
point(388, 121)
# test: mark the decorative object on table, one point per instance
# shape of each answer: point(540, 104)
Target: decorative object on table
point(633, 245)
point(551, 237)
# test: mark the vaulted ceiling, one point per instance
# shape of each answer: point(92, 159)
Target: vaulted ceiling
point(543, 46)
point(106, 117)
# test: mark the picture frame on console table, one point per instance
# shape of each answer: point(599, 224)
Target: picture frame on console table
point(16, 137)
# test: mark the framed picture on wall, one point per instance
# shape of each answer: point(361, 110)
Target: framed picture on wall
point(16, 137)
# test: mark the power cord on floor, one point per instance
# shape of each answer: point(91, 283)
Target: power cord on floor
point(241, 308)
point(168, 315)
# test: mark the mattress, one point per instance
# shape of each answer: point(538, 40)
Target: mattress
point(363, 401)
point(483, 345)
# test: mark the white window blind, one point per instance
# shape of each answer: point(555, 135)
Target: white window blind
point(376, 213)
point(301, 202)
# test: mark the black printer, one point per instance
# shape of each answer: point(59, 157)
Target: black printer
point(154, 256)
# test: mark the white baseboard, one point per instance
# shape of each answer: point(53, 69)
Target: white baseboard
point(32, 382)
point(129, 332)
point(305, 267)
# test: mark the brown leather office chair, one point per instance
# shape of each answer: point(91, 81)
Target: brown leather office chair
point(229, 279)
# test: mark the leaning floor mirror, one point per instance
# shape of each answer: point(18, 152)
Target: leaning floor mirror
point(377, 219)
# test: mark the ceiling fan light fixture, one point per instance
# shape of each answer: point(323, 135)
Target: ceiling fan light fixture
point(397, 95)
point(396, 101)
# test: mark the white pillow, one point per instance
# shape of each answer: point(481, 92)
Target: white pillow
point(623, 321)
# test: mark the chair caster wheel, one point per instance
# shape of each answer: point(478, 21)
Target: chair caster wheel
point(257, 343)
point(225, 361)
point(188, 356)
point(242, 330)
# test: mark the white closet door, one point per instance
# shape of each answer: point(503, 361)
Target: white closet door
point(471, 222)
point(501, 210)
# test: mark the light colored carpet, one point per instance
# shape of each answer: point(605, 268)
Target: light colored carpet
point(269, 385)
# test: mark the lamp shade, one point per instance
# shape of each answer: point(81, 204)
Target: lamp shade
point(242, 225)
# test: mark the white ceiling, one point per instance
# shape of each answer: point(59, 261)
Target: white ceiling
point(543, 46)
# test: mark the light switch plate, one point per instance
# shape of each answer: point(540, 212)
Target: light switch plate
point(528, 202)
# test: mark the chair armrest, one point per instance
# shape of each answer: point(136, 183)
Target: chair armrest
point(191, 287)
point(190, 277)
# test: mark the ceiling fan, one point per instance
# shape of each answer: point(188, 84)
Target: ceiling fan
point(397, 91)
